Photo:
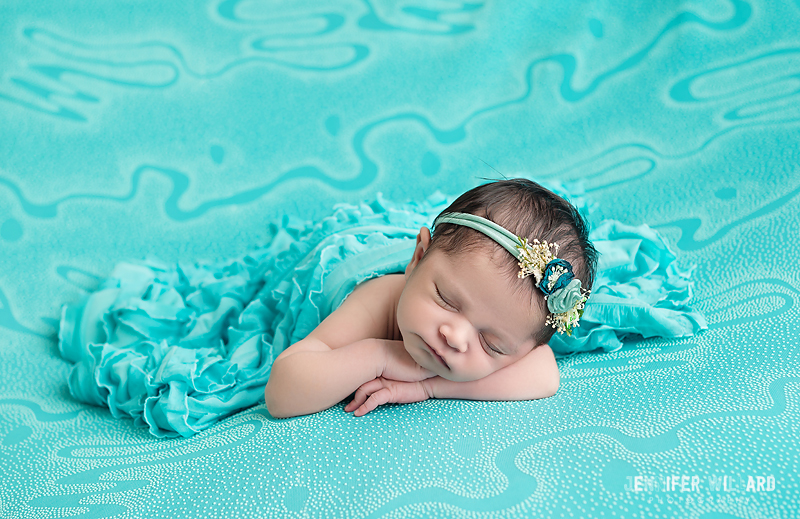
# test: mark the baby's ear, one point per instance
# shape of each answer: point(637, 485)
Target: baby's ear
point(424, 237)
point(423, 240)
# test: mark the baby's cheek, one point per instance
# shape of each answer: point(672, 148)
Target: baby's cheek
point(484, 368)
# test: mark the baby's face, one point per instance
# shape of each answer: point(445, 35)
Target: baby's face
point(461, 319)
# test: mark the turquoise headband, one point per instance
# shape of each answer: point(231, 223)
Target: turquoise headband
point(499, 234)
point(554, 276)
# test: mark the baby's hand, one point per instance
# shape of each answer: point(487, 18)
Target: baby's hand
point(385, 391)
point(399, 365)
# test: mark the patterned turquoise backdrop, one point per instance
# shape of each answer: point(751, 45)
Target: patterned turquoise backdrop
point(180, 129)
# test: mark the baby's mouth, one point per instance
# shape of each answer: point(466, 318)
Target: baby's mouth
point(436, 355)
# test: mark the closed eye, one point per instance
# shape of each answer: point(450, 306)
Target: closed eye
point(439, 295)
point(442, 299)
point(490, 346)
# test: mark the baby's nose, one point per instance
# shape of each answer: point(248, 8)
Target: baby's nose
point(453, 337)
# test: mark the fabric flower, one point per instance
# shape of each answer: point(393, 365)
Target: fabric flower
point(557, 275)
point(562, 301)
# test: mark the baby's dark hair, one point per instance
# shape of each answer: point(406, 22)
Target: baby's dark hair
point(529, 210)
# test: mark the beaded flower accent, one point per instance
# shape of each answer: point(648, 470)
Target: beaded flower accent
point(565, 298)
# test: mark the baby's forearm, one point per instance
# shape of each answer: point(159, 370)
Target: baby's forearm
point(481, 389)
point(306, 382)
point(534, 376)
point(485, 389)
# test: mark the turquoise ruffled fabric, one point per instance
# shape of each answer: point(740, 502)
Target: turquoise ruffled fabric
point(638, 291)
point(178, 347)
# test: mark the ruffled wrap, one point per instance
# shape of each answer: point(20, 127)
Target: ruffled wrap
point(176, 348)
point(638, 291)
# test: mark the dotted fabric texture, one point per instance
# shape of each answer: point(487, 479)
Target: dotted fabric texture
point(181, 129)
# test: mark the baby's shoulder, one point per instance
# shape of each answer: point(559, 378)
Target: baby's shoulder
point(367, 312)
point(381, 286)
point(379, 296)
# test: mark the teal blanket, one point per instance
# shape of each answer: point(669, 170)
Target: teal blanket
point(149, 140)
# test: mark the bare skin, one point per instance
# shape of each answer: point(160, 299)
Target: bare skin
point(447, 328)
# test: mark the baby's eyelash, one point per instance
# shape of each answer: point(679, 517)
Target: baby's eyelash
point(490, 346)
point(440, 297)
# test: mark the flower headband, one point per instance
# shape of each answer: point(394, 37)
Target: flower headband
point(554, 276)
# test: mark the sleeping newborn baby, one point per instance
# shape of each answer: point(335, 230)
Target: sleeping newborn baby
point(470, 317)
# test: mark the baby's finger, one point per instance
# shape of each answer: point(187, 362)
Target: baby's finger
point(362, 393)
point(358, 399)
point(379, 398)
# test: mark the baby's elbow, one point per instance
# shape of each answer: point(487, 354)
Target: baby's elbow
point(277, 392)
point(555, 384)
point(275, 405)
point(553, 378)
point(551, 382)
point(276, 411)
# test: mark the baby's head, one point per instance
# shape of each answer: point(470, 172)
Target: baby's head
point(464, 313)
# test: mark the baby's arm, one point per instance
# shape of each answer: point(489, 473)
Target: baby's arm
point(314, 377)
point(342, 353)
point(533, 376)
